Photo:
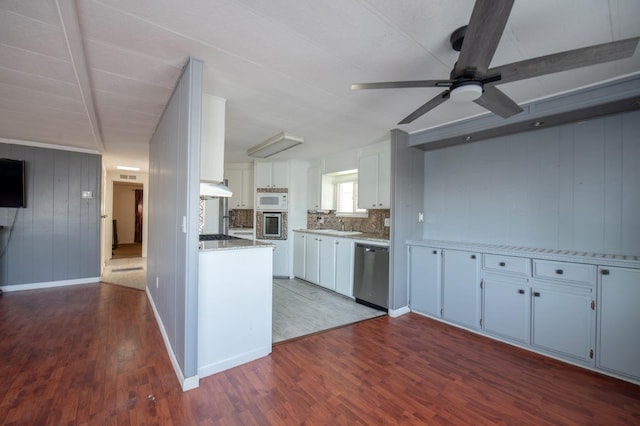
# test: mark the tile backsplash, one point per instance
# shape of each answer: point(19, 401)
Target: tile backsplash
point(374, 224)
point(241, 218)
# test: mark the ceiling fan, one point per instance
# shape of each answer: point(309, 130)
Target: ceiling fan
point(471, 78)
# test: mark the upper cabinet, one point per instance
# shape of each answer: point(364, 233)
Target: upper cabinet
point(272, 174)
point(374, 179)
point(314, 187)
point(240, 181)
point(212, 138)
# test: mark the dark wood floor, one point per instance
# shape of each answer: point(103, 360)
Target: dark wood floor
point(92, 354)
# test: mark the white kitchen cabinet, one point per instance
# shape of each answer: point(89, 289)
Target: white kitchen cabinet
point(506, 297)
point(506, 307)
point(327, 262)
point(461, 287)
point(312, 258)
point(562, 322)
point(374, 180)
point(619, 321)
point(280, 257)
point(271, 174)
point(314, 188)
point(344, 266)
point(563, 309)
point(240, 181)
point(425, 277)
point(299, 254)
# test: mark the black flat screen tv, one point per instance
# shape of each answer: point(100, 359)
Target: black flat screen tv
point(12, 183)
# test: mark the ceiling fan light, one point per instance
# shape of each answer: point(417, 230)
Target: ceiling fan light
point(466, 92)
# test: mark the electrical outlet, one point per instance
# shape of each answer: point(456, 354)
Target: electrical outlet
point(157, 282)
point(387, 222)
point(320, 219)
point(420, 217)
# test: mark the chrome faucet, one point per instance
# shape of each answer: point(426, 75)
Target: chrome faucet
point(341, 224)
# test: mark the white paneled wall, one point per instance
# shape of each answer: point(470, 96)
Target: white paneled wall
point(571, 187)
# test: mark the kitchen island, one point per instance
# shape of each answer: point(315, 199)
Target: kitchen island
point(234, 303)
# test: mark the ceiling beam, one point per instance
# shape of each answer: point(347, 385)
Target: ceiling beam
point(73, 38)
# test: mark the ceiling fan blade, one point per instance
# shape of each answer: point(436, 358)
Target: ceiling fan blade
point(564, 61)
point(433, 102)
point(402, 84)
point(497, 102)
point(487, 23)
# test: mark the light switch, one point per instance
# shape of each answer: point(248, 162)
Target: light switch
point(87, 195)
point(420, 217)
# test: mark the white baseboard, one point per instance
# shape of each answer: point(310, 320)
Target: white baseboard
point(399, 312)
point(187, 383)
point(216, 367)
point(49, 284)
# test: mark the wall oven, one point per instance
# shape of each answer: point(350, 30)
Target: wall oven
point(272, 225)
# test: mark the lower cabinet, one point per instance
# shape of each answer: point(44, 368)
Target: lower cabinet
point(299, 257)
point(580, 312)
point(327, 262)
point(280, 257)
point(563, 322)
point(461, 288)
point(312, 258)
point(506, 307)
point(324, 260)
point(619, 321)
point(344, 266)
point(425, 276)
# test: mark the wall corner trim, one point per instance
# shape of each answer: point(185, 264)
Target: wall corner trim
point(394, 313)
point(187, 383)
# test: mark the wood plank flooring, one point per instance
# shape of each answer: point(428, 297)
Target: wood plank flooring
point(92, 354)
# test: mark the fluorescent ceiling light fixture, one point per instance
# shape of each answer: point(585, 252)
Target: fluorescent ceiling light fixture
point(278, 143)
point(131, 169)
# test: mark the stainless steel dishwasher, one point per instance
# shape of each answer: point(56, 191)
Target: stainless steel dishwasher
point(371, 276)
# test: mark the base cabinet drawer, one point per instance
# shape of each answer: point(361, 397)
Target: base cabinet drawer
point(516, 266)
point(571, 273)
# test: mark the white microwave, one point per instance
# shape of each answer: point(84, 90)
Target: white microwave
point(271, 201)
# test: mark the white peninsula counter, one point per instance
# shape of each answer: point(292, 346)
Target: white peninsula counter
point(234, 303)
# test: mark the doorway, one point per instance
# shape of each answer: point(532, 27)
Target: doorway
point(127, 220)
point(126, 266)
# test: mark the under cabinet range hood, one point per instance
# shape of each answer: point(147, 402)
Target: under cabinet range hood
point(209, 189)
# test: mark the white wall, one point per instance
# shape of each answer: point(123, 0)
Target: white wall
point(571, 187)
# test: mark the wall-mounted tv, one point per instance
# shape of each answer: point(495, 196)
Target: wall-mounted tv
point(12, 183)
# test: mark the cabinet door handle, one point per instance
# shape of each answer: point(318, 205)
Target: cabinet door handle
point(435, 252)
point(502, 264)
point(605, 272)
point(520, 291)
point(536, 294)
point(559, 271)
point(473, 256)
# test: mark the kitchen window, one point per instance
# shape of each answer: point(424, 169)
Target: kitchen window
point(346, 190)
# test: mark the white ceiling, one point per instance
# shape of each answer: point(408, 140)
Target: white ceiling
point(97, 74)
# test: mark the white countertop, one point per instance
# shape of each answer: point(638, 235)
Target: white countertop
point(239, 244)
point(536, 253)
point(363, 236)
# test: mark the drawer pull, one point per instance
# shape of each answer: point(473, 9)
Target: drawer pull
point(502, 264)
point(536, 294)
point(605, 272)
point(559, 271)
point(520, 291)
point(473, 256)
point(435, 252)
